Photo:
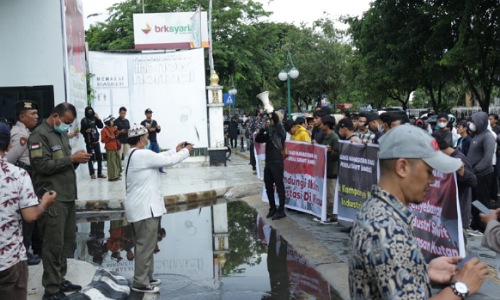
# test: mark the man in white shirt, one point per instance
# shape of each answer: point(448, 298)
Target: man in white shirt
point(144, 204)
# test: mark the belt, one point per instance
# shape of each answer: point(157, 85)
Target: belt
point(22, 165)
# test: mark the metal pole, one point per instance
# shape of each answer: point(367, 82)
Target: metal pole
point(289, 97)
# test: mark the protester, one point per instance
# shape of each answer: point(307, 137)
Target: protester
point(386, 261)
point(331, 140)
point(442, 124)
point(123, 125)
point(346, 131)
point(110, 139)
point(317, 133)
point(88, 128)
point(273, 134)
point(18, 201)
point(27, 118)
point(466, 179)
point(481, 152)
point(233, 132)
point(463, 142)
point(299, 132)
point(398, 118)
point(493, 119)
point(153, 128)
point(144, 204)
point(54, 169)
point(364, 134)
point(491, 238)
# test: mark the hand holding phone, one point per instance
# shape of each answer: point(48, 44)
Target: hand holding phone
point(481, 207)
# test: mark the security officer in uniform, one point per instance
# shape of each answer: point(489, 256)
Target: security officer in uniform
point(54, 169)
point(27, 118)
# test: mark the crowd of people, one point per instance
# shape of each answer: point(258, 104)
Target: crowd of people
point(386, 261)
point(38, 182)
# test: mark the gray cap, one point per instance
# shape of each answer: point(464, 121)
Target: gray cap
point(408, 141)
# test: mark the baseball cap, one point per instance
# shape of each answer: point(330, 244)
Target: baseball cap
point(408, 141)
point(4, 132)
point(148, 110)
point(137, 130)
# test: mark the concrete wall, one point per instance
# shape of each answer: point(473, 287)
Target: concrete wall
point(31, 45)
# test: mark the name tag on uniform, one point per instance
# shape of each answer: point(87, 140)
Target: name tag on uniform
point(55, 148)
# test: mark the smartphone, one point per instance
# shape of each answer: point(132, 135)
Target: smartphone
point(461, 263)
point(477, 204)
point(41, 192)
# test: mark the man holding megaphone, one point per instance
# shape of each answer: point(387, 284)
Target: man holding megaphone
point(273, 134)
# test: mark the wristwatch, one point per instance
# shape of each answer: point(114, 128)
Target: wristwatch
point(460, 289)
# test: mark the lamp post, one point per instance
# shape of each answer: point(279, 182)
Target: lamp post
point(288, 72)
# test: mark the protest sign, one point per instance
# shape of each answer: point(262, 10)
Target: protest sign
point(305, 178)
point(358, 171)
point(437, 224)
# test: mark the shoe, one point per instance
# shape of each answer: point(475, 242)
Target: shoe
point(33, 259)
point(346, 230)
point(163, 172)
point(57, 296)
point(93, 176)
point(254, 171)
point(101, 176)
point(279, 215)
point(67, 286)
point(329, 221)
point(146, 289)
point(271, 213)
point(114, 179)
point(155, 282)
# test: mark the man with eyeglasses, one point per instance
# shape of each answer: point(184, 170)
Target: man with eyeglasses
point(53, 167)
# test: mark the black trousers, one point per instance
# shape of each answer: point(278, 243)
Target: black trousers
point(485, 191)
point(273, 176)
point(253, 162)
point(234, 142)
point(96, 150)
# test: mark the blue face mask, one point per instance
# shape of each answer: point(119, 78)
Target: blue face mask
point(62, 128)
point(148, 146)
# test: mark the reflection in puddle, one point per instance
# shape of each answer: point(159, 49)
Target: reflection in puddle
point(223, 251)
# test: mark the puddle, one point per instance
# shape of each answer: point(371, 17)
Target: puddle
point(221, 251)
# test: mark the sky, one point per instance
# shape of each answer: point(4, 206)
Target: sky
point(290, 11)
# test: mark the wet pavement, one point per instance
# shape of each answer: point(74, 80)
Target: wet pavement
point(323, 248)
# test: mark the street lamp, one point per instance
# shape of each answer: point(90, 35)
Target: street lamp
point(289, 72)
point(232, 92)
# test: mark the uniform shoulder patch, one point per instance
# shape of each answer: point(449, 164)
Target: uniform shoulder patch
point(23, 141)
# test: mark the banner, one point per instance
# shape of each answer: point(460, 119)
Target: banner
point(305, 178)
point(358, 171)
point(170, 30)
point(260, 157)
point(437, 225)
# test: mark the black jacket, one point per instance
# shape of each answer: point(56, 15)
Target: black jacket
point(90, 122)
point(274, 137)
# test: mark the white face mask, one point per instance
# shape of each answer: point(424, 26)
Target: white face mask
point(472, 127)
point(442, 124)
point(380, 128)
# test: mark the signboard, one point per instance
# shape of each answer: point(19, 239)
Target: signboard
point(169, 31)
point(171, 84)
point(229, 100)
point(358, 171)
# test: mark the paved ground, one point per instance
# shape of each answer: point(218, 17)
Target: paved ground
point(323, 245)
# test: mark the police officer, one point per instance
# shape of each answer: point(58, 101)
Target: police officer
point(27, 118)
point(54, 169)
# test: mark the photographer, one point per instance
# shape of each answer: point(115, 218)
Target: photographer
point(88, 128)
point(144, 204)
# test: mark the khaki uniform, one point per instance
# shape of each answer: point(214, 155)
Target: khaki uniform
point(19, 135)
point(52, 168)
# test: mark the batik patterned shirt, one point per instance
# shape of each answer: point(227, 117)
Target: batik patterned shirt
point(16, 193)
point(385, 261)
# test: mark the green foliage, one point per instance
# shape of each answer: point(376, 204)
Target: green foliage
point(90, 90)
point(243, 245)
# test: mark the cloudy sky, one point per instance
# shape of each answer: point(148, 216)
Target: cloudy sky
point(291, 11)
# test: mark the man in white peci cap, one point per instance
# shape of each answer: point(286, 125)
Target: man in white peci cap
point(386, 261)
point(144, 204)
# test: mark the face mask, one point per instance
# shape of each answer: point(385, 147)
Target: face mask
point(380, 128)
point(472, 127)
point(148, 145)
point(62, 128)
point(442, 124)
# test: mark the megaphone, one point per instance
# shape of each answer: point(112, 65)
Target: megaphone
point(264, 97)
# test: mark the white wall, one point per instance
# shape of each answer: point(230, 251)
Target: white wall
point(31, 45)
